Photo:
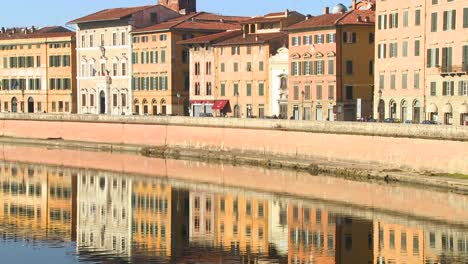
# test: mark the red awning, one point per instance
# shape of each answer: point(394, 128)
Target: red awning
point(201, 101)
point(219, 104)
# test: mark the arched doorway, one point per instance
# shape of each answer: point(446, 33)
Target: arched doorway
point(155, 106)
point(404, 111)
point(145, 107)
point(236, 111)
point(381, 110)
point(30, 105)
point(416, 112)
point(14, 105)
point(163, 107)
point(136, 107)
point(392, 108)
point(102, 103)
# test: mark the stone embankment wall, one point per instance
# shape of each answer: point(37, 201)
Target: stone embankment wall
point(419, 147)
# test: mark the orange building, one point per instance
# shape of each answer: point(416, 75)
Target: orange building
point(242, 225)
point(395, 243)
point(312, 235)
point(151, 220)
point(38, 70)
point(331, 58)
point(160, 81)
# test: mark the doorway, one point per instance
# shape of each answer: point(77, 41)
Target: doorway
point(14, 105)
point(102, 102)
point(30, 105)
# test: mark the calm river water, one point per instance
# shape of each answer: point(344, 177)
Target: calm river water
point(64, 206)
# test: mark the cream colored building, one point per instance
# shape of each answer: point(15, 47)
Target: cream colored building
point(104, 50)
point(279, 73)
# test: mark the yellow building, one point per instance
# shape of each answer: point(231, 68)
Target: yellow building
point(38, 70)
point(161, 80)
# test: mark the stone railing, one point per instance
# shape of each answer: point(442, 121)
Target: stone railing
point(442, 132)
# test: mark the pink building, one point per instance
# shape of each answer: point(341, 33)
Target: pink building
point(230, 71)
point(422, 61)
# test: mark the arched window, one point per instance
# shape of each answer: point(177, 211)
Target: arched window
point(145, 107)
point(163, 107)
point(154, 103)
point(404, 111)
point(136, 107)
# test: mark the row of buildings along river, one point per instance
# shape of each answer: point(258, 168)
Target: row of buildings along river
point(110, 214)
point(382, 59)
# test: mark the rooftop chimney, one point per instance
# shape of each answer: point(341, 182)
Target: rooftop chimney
point(353, 7)
point(33, 29)
point(326, 10)
point(286, 13)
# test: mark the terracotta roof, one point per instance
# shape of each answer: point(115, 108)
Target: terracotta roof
point(194, 21)
point(351, 18)
point(211, 16)
point(212, 38)
point(275, 14)
point(252, 38)
point(317, 21)
point(46, 32)
point(110, 14)
point(263, 19)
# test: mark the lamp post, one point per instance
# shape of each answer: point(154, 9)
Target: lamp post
point(379, 107)
point(178, 101)
point(236, 93)
point(303, 114)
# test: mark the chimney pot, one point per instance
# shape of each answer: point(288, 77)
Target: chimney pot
point(353, 7)
point(326, 10)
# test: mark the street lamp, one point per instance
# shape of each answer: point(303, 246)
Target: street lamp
point(178, 101)
point(379, 106)
point(236, 93)
point(303, 114)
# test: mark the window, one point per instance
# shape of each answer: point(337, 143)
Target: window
point(393, 20)
point(463, 88)
point(382, 23)
point(249, 50)
point(249, 89)
point(163, 37)
point(114, 69)
point(433, 88)
point(416, 80)
point(208, 88)
point(371, 38)
point(307, 92)
point(447, 59)
point(405, 18)
point(223, 67)
point(307, 40)
point(392, 80)
point(261, 89)
point(434, 22)
point(417, 47)
point(349, 92)
point(296, 68)
point(114, 100)
point(381, 81)
point(83, 100)
point(331, 38)
point(465, 17)
point(404, 80)
point(319, 92)
point(249, 66)
point(236, 89)
point(307, 68)
point(404, 49)
point(371, 67)
point(223, 89)
point(83, 41)
point(296, 41)
point(417, 17)
point(91, 41)
point(448, 88)
point(433, 57)
point(154, 18)
point(449, 20)
point(349, 67)
point(393, 50)
point(235, 50)
point(124, 69)
point(296, 92)
point(163, 56)
point(331, 91)
point(236, 67)
point(260, 66)
point(382, 51)
point(318, 67)
point(114, 39)
point(123, 38)
point(331, 66)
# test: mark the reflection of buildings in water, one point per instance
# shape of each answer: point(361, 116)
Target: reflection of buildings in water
point(278, 227)
point(395, 243)
point(38, 199)
point(151, 221)
point(312, 235)
point(104, 214)
point(202, 218)
point(444, 245)
point(242, 225)
point(354, 240)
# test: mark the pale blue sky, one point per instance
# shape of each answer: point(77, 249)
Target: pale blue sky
point(58, 12)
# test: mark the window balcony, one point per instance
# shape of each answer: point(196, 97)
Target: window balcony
point(453, 70)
